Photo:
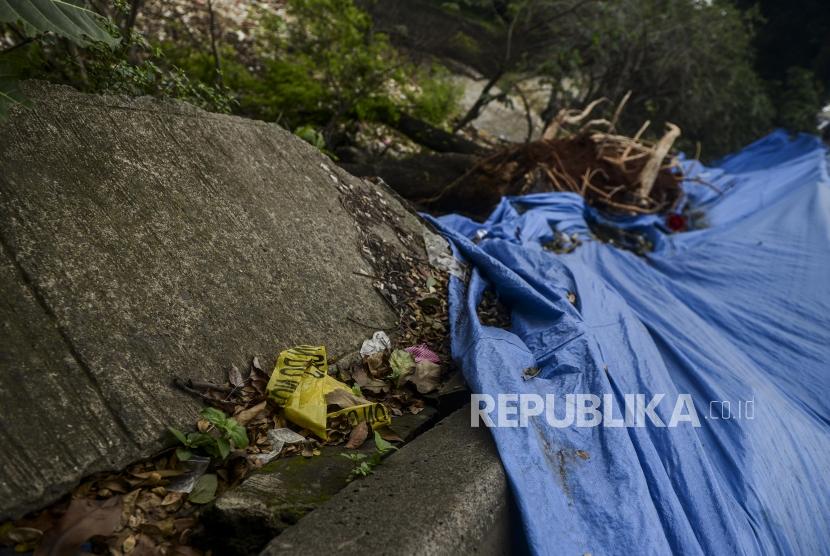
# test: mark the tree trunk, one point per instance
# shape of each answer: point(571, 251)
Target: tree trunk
point(432, 137)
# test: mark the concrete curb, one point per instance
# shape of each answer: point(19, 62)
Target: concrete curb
point(443, 493)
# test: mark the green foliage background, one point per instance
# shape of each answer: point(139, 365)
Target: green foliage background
point(325, 66)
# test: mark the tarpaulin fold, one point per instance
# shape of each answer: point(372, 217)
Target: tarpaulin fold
point(736, 311)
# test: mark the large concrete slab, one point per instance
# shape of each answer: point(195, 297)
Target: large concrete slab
point(143, 240)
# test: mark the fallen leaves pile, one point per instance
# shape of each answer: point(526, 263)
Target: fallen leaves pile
point(153, 506)
point(132, 512)
point(414, 290)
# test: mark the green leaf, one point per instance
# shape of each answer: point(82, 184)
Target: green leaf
point(401, 362)
point(176, 432)
point(204, 490)
point(224, 447)
point(311, 135)
point(199, 440)
point(62, 17)
point(382, 445)
point(237, 434)
point(214, 416)
point(183, 454)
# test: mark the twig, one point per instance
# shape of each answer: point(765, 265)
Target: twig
point(652, 167)
point(635, 139)
point(217, 61)
point(181, 385)
point(570, 117)
point(618, 111)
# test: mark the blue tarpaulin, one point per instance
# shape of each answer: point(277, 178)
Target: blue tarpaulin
point(737, 311)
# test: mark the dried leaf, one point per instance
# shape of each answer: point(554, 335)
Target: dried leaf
point(358, 436)
point(388, 434)
point(382, 445)
point(148, 500)
point(185, 523)
point(155, 476)
point(160, 491)
point(235, 377)
point(369, 384)
point(115, 485)
point(426, 377)
point(260, 384)
point(146, 546)
point(83, 519)
point(244, 417)
point(344, 398)
point(430, 303)
point(166, 526)
point(259, 378)
point(128, 504)
point(376, 365)
point(172, 498)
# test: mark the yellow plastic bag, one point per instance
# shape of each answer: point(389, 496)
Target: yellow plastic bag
point(299, 385)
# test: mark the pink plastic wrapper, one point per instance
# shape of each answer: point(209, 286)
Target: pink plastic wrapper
point(421, 352)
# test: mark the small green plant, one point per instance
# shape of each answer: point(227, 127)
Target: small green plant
point(313, 137)
point(364, 464)
point(216, 441)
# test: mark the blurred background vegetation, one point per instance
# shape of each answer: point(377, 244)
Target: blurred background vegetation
point(346, 73)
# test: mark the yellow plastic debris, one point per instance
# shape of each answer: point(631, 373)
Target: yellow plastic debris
point(299, 385)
